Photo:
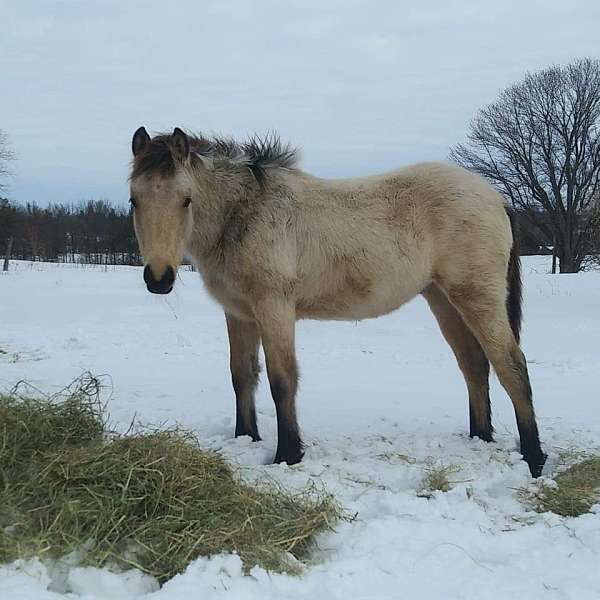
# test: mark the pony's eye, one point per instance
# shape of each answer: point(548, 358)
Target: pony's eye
point(132, 202)
point(187, 202)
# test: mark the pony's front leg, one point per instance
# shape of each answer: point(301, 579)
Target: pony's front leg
point(277, 321)
point(244, 341)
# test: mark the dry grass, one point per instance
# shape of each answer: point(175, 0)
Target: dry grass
point(30, 427)
point(437, 479)
point(153, 500)
point(577, 489)
point(396, 457)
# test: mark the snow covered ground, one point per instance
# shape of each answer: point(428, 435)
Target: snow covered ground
point(380, 401)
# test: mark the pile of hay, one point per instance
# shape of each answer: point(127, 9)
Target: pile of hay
point(576, 490)
point(154, 501)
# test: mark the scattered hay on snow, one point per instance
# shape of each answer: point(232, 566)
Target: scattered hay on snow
point(575, 490)
point(153, 500)
point(437, 479)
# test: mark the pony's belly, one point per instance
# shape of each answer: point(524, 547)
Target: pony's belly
point(345, 307)
point(355, 313)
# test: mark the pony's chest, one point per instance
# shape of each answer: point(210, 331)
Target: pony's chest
point(227, 295)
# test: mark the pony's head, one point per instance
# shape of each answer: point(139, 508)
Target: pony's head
point(161, 197)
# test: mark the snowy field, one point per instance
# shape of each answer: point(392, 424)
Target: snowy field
point(380, 402)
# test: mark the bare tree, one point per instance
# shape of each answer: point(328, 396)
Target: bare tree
point(593, 258)
point(6, 155)
point(539, 144)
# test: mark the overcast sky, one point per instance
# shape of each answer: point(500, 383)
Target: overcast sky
point(360, 86)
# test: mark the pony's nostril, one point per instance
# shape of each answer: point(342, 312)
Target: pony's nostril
point(169, 277)
point(148, 276)
point(162, 285)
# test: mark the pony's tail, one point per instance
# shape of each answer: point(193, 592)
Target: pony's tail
point(514, 285)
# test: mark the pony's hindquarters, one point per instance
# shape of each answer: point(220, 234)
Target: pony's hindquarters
point(480, 276)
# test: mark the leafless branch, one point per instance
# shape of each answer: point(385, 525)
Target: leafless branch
point(539, 144)
point(6, 156)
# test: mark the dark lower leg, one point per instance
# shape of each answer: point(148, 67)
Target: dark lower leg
point(511, 369)
point(480, 414)
point(530, 445)
point(245, 412)
point(244, 342)
point(477, 374)
point(277, 320)
point(526, 423)
point(289, 445)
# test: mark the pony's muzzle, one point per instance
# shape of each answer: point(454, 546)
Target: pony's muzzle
point(159, 286)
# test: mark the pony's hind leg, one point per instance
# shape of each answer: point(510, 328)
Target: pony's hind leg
point(483, 307)
point(244, 342)
point(470, 357)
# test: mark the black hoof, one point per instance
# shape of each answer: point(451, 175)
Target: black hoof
point(253, 434)
point(292, 457)
point(486, 436)
point(536, 464)
point(291, 460)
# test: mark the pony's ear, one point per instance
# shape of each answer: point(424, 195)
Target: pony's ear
point(180, 144)
point(139, 141)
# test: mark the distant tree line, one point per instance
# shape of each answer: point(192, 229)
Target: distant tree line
point(92, 232)
point(95, 232)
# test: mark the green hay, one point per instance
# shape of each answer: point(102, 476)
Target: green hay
point(155, 500)
point(31, 426)
point(577, 490)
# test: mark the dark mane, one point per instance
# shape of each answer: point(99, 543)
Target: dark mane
point(258, 154)
point(156, 158)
